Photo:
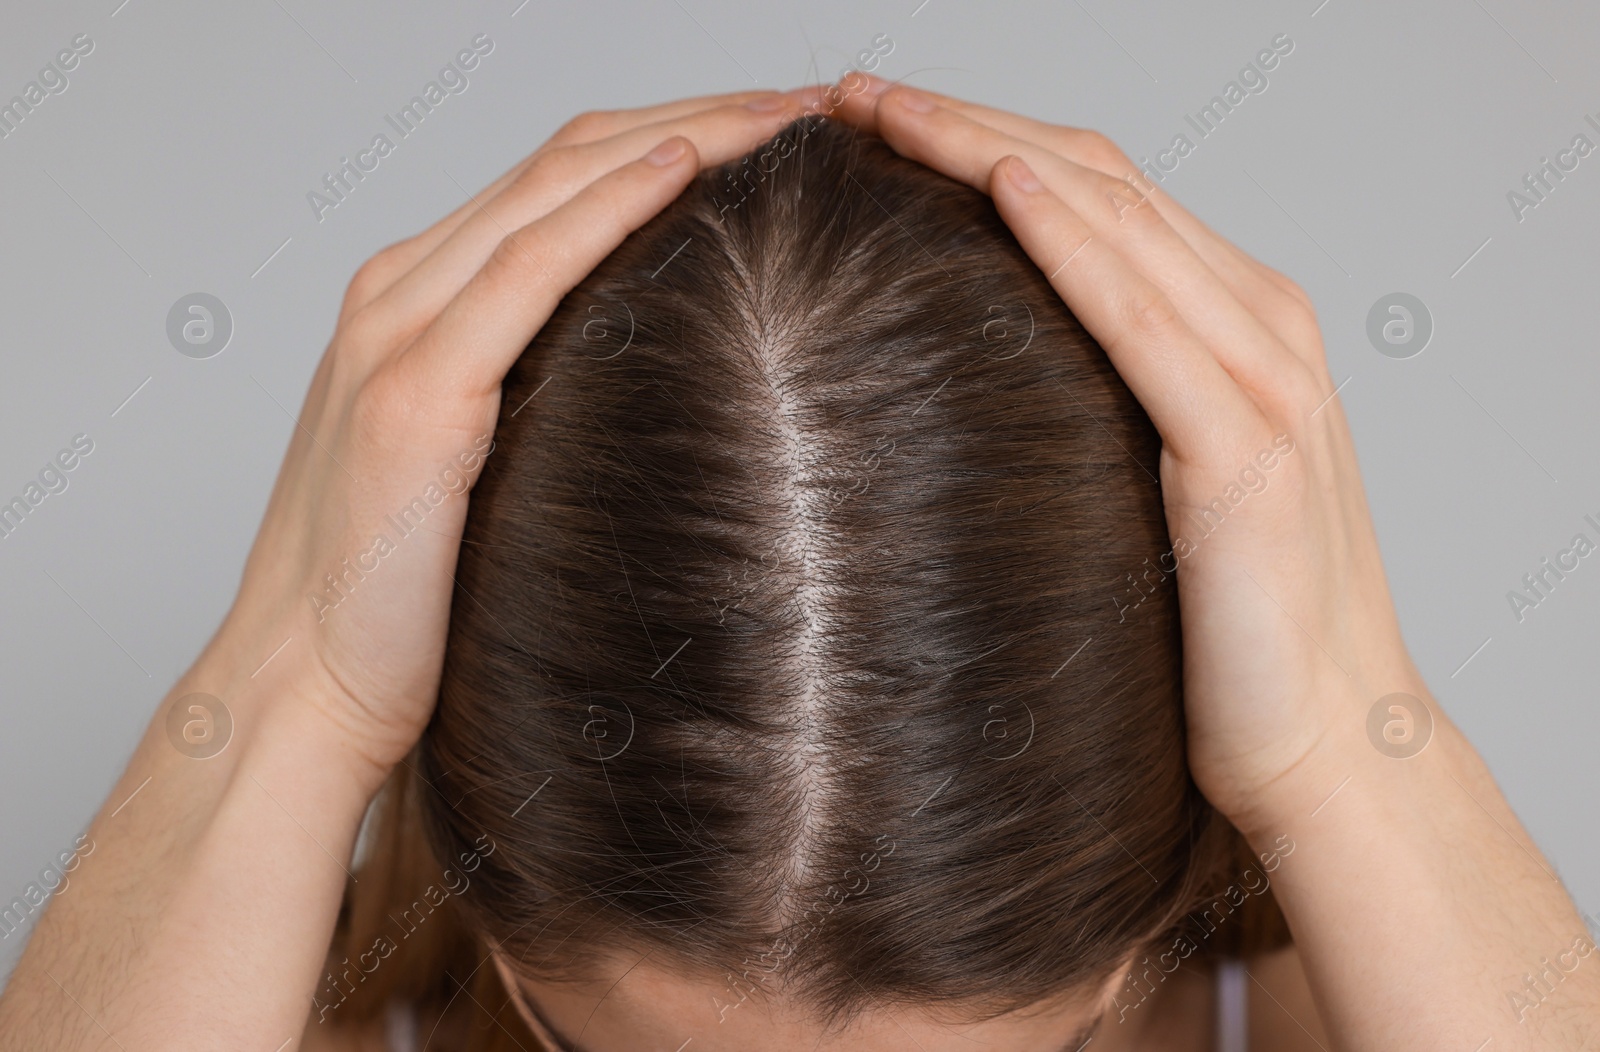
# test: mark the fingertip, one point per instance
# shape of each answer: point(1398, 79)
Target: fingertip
point(811, 96)
point(668, 151)
point(873, 85)
point(897, 112)
point(766, 102)
point(913, 102)
point(856, 83)
point(854, 99)
point(1019, 174)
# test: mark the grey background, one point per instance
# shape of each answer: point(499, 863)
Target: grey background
point(1378, 160)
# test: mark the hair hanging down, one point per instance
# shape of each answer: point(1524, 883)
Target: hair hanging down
point(792, 639)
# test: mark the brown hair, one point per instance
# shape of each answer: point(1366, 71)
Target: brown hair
point(797, 634)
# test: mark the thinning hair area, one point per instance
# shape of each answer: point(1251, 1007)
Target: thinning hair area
point(805, 630)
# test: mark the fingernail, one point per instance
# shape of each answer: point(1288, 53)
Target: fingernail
point(766, 103)
point(1022, 176)
point(667, 152)
point(915, 101)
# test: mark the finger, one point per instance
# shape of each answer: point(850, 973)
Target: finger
point(1081, 145)
point(1091, 148)
point(1202, 414)
point(395, 259)
point(599, 124)
point(1281, 304)
point(470, 345)
point(554, 176)
point(968, 150)
point(854, 100)
point(602, 124)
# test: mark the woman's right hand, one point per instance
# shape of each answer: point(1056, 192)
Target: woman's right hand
point(352, 571)
point(329, 659)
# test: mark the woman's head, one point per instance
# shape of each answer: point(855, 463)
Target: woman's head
point(812, 658)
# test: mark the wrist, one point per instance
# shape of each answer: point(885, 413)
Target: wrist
point(249, 847)
point(279, 700)
point(1396, 740)
point(295, 749)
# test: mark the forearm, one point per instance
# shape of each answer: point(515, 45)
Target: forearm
point(202, 917)
point(1421, 907)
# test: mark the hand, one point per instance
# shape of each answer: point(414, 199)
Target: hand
point(1289, 631)
point(400, 412)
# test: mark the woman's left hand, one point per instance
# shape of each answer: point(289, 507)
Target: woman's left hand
point(1421, 910)
point(1289, 631)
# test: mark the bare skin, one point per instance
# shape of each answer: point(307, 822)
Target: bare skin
point(1179, 1017)
point(1417, 900)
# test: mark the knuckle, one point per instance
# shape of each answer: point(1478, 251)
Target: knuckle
point(558, 167)
point(1128, 203)
point(590, 124)
point(382, 402)
point(371, 278)
point(375, 277)
point(1100, 151)
point(518, 260)
point(1285, 308)
point(1284, 282)
point(1297, 316)
point(368, 331)
point(1296, 385)
point(511, 256)
point(1298, 321)
point(1149, 314)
